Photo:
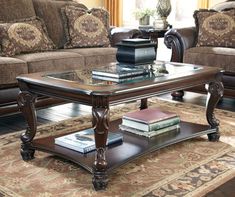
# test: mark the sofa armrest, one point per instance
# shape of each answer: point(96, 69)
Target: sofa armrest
point(179, 40)
point(119, 33)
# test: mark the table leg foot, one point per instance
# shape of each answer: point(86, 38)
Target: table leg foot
point(27, 152)
point(100, 180)
point(213, 137)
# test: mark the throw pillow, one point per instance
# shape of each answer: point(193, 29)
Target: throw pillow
point(24, 37)
point(214, 28)
point(86, 28)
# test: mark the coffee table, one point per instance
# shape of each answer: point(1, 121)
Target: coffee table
point(78, 86)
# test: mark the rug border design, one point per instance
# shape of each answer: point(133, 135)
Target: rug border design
point(203, 187)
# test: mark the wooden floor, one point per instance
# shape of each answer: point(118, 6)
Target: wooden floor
point(15, 123)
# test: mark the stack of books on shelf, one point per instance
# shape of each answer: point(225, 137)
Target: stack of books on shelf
point(119, 73)
point(150, 122)
point(84, 141)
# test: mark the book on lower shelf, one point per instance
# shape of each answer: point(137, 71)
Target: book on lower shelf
point(84, 141)
point(119, 71)
point(149, 134)
point(150, 119)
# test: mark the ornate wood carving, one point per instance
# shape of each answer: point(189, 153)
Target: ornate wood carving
point(215, 92)
point(26, 102)
point(100, 122)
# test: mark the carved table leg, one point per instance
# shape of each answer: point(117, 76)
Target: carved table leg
point(144, 103)
point(25, 102)
point(215, 92)
point(100, 113)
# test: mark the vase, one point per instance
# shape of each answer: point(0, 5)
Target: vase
point(163, 10)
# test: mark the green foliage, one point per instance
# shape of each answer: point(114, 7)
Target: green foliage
point(140, 13)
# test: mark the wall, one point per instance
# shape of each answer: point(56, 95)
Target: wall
point(92, 3)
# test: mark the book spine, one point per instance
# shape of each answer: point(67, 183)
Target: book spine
point(163, 124)
point(152, 133)
point(88, 149)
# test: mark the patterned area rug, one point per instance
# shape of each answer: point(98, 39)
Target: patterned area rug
point(190, 168)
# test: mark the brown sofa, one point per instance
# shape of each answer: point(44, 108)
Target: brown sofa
point(59, 59)
point(183, 44)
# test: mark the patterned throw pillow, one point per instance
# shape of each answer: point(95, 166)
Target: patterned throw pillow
point(24, 37)
point(215, 28)
point(86, 28)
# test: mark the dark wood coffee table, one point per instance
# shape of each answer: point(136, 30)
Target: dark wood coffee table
point(78, 86)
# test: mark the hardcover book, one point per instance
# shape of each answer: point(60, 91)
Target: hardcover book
point(150, 119)
point(122, 80)
point(173, 128)
point(84, 141)
point(118, 71)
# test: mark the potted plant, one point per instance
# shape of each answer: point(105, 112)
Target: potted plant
point(144, 15)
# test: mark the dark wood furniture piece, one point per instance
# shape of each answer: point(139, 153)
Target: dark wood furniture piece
point(153, 34)
point(78, 86)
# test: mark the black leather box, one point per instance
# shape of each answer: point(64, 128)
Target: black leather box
point(136, 51)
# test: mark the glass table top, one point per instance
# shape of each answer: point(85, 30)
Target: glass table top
point(158, 70)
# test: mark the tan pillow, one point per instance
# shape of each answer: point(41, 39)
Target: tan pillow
point(24, 37)
point(86, 28)
point(215, 29)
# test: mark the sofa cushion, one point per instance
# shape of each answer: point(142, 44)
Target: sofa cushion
point(86, 28)
point(215, 28)
point(211, 56)
point(10, 68)
point(96, 56)
point(24, 37)
point(50, 12)
point(53, 60)
point(11, 10)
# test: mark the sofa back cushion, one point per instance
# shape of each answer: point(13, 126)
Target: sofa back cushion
point(86, 28)
point(25, 36)
point(216, 29)
point(50, 12)
point(11, 10)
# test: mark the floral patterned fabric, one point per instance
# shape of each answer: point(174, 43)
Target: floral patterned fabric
point(24, 37)
point(184, 169)
point(215, 28)
point(86, 28)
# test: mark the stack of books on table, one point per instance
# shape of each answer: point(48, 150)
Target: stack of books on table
point(150, 122)
point(119, 72)
point(84, 141)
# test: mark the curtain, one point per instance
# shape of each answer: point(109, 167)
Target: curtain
point(203, 4)
point(114, 7)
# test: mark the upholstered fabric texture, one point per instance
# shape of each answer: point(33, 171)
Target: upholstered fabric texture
point(23, 37)
point(51, 11)
point(211, 56)
point(215, 28)
point(86, 28)
point(10, 68)
point(52, 61)
point(11, 10)
point(95, 57)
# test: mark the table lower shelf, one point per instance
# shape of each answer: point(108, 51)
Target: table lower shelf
point(132, 146)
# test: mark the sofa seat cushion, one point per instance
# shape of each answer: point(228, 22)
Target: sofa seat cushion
point(11, 10)
point(52, 61)
point(96, 56)
point(211, 56)
point(10, 68)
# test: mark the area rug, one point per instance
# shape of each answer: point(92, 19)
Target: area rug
point(191, 168)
